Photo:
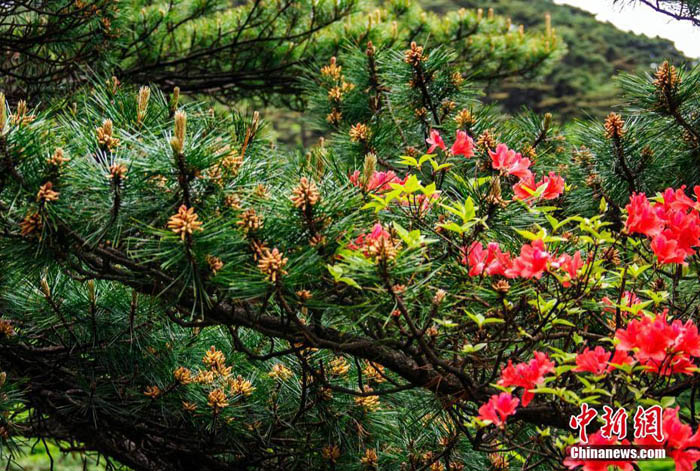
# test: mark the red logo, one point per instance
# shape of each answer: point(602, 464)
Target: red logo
point(647, 423)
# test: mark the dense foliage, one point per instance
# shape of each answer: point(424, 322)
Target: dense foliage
point(580, 87)
point(432, 286)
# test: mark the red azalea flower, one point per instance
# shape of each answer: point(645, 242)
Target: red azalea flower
point(585, 465)
point(510, 162)
point(464, 145)
point(475, 257)
point(642, 217)
point(667, 250)
point(527, 375)
point(569, 264)
point(355, 178)
point(684, 228)
point(592, 361)
point(555, 186)
point(499, 408)
point(679, 441)
point(598, 361)
point(379, 181)
point(620, 358)
point(673, 225)
point(499, 262)
point(363, 240)
point(662, 347)
point(492, 260)
point(435, 140)
point(531, 263)
point(525, 188)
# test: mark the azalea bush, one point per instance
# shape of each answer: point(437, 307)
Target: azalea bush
point(433, 285)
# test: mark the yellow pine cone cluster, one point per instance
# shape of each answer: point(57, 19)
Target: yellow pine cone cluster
point(272, 264)
point(217, 399)
point(213, 358)
point(280, 372)
point(215, 263)
point(334, 117)
point(359, 132)
point(486, 141)
point(385, 248)
point(30, 225)
point(339, 366)
point(218, 377)
point(185, 222)
point(374, 373)
point(305, 194)
point(368, 403)
point(332, 70)
point(464, 118)
point(331, 453)
point(58, 158)
point(241, 386)
point(232, 162)
point(153, 392)
point(614, 126)
point(414, 55)
point(249, 221)
point(21, 116)
point(117, 171)
point(105, 135)
point(46, 193)
point(232, 201)
point(183, 375)
point(370, 458)
point(6, 329)
point(666, 77)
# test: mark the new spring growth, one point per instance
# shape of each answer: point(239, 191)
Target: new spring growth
point(369, 167)
point(547, 122)
point(178, 140)
point(91, 291)
point(45, 288)
point(550, 32)
point(175, 99)
point(250, 132)
point(3, 113)
point(614, 126)
point(142, 106)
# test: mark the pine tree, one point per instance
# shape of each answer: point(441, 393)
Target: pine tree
point(198, 195)
point(410, 293)
point(213, 47)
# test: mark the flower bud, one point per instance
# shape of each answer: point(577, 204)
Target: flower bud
point(439, 297)
point(142, 106)
point(45, 287)
point(3, 113)
point(175, 99)
point(369, 167)
point(178, 140)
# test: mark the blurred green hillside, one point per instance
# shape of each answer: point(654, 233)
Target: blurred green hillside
point(581, 84)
